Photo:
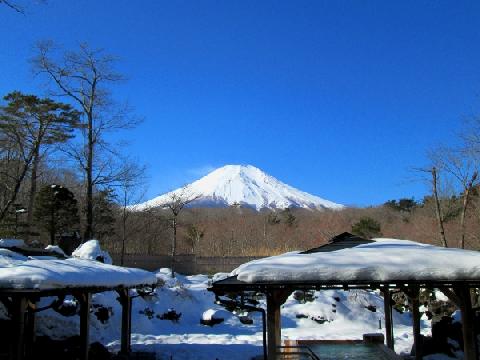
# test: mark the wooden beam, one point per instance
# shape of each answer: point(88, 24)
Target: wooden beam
point(126, 301)
point(387, 302)
point(85, 299)
point(274, 326)
point(469, 346)
point(30, 329)
point(18, 317)
point(275, 298)
point(417, 339)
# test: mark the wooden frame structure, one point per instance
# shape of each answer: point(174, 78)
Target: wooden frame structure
point(22, 305)
point(277, 292)
point(21, 300)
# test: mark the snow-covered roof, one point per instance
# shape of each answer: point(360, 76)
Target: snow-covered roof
point(29, 273)
point(10, 243)
point(382, 260)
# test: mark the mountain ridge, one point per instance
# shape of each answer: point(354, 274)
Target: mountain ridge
point(244, 185)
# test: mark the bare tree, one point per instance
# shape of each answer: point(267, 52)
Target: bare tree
point(438, 209)
point(84, 76)
point(462, 167)
point(17, 5)
point(130, 191)
point(175, 204)
point(13, 5)
point(433, 180)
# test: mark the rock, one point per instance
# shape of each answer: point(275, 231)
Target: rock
point(245, 320)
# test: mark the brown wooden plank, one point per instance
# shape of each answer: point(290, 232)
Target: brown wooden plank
point(469, 348)
point(85, 301)
point(387, 301)
point(19, 313)
point(415, 304)
point(273, 325)
point(126, 302)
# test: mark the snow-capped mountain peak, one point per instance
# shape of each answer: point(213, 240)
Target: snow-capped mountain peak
point(244, 185)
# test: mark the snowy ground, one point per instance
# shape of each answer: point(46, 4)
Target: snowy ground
point(188, 339)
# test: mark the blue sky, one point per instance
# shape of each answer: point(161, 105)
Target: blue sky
point(337, 98)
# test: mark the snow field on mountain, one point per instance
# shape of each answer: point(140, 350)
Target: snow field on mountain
point(244, 185)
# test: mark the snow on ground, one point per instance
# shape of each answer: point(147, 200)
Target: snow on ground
point(167, 321)
point(232, 340)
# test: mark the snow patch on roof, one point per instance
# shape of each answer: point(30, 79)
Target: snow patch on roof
point(9, 243)
point(55, 249)
point(382, 260)
point(45, 273)
point(92, 250)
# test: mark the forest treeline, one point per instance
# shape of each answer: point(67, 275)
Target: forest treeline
point(245, 232)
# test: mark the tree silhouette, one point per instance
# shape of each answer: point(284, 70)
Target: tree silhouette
point(56, 210)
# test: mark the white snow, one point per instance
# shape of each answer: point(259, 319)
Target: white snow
point(230, 340)
point(45, 272)
point(245, 185)
point(332, 314)
point(92, 250)
point(68, 273)
point(56, 249)
point(7, 254)
point(384, 259)
point(9, 243)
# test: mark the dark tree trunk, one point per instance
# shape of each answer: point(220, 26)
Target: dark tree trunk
point(53, 229)
point(88, 234)
point(438, 210)
point(174, 243)
point(33, 192)
point(124, 228)
point(466, 200)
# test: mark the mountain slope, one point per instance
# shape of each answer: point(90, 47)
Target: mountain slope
point(244, 185)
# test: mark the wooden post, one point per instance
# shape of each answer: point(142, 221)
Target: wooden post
point(19, 312)
point(30, 329)
point(417, 339)
point(274, 326)
point(275, 298)
point(465, 303)
point(85, 301)
point(387, 302)
point(126, 302)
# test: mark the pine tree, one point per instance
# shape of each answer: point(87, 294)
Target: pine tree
point(28, 125)
point(367, 228)
point(103, 213)
point(56, 211)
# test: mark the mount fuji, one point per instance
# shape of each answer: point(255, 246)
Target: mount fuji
point(243, 185)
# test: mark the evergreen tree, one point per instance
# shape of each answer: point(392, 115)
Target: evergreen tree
point(404, 204)
point(56, 210)
point(367, 227)
point(28, 125)
point(103, 213)
point(289, 218)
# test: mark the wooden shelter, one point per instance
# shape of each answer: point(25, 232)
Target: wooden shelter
point(277, 282)
point(47, 274)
